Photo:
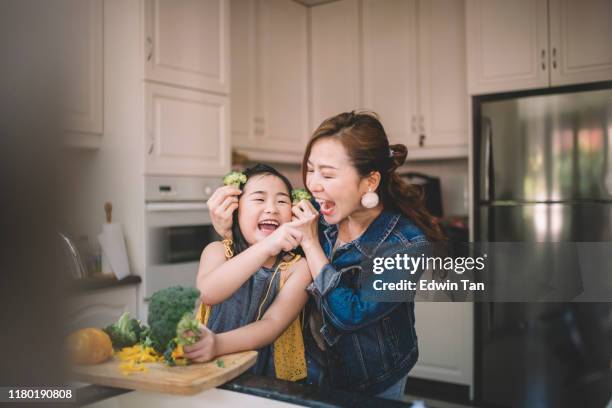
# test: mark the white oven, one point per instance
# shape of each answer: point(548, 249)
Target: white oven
point(178, 228)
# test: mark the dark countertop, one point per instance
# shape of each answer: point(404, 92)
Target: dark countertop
point(88, 284)
point(265, 387)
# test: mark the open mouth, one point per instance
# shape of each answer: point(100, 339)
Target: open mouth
point(327, 206)
point(268, 226)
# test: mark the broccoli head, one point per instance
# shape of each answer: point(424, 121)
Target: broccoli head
point(234, 178)
point(299, 194)
point(188, 323)
point(125, 332)
point(166, 309)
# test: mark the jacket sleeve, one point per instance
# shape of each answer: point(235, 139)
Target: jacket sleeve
point(344, 305)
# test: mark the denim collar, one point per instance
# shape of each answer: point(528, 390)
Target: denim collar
point(376, 233)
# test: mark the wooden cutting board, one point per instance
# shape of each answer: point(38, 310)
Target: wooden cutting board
point(159, 377)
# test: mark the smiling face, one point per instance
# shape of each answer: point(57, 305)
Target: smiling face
point(334, 181)
point(264, 205)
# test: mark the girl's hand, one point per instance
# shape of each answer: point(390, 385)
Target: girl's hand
point(221, 206)
point(285, 238)
point(204, 349)
point(305, 211)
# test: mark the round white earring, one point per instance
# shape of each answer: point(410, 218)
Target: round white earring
point(369, 199)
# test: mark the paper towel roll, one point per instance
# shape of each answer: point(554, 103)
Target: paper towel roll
point(113, 246)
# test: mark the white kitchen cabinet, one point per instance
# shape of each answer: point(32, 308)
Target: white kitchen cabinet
point(390, 63)
point(335, 59)
point(443, 97)
point(187, 43)
point(528, 44)
point(507, 45)
point(82, 81)
point(414, 74)
point(445, 335)
point(99, 308)
point(270, 79)
point(580, 41)
point(187, 132)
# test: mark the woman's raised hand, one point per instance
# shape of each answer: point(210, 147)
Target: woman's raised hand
point(309, 227)
point(204, 349)
point(221, 206)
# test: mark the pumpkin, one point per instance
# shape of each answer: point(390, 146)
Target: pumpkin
point(89, 346)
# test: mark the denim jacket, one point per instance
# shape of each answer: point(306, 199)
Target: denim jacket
point(369, 345)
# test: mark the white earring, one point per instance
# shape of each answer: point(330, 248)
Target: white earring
point(369, 199)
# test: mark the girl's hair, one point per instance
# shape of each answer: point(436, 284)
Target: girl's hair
point(367, 146)
point(240, 243)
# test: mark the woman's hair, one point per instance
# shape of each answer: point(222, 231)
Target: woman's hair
point(240, 243)
point(367, 146)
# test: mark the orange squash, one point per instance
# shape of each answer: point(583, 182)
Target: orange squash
point(89, 346)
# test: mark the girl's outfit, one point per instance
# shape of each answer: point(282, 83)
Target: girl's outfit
point(284, 359)
point(352, 343)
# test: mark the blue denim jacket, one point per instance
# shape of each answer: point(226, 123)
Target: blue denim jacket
point(369, 345)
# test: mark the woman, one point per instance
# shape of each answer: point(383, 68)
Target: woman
point(366, 210)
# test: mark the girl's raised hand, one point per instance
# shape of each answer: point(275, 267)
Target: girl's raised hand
point(286, 237)
point(304, 211)
point(204, 349)
point(221, 206)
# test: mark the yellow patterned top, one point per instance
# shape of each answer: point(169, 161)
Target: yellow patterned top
point(289, 354)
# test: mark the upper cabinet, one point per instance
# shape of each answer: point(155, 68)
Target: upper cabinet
point(509, 47)
point(186, 132)
point(404, 60)
point(580, 41)
point(269, 79)
point(187, 43)
point(83, 73)
point(335, 59)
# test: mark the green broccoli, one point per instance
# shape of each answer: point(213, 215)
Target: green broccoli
point(187, 323)
point(299, 194)
point(125, 332)
point(234, 178)
point(166, 309)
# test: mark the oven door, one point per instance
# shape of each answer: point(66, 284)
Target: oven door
point(176, 234)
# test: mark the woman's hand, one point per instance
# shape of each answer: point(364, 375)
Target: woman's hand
point(204, 349)
point(305, 211)
point(221, 206)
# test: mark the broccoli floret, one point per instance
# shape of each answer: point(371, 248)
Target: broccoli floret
point(299, 194)
point(187, 323)
point(125, 332)
point(234, 178)
point(166, 308)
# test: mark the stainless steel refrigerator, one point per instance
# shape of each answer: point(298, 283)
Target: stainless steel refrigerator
point(543, 173)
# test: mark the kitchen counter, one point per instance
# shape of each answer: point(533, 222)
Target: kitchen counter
point(249, 384)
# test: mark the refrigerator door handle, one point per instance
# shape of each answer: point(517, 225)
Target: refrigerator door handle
point(486, 158)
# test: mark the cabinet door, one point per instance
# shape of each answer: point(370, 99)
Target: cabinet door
point(336, 75)
point(83, 72)
point(507, 45)
point(442, 74)
point(390, 64)
point(100, 308)
point(445, 331)
point(187, 43)
point(187, 132)
point(580, 41)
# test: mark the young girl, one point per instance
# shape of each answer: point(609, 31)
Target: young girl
point(253, 289)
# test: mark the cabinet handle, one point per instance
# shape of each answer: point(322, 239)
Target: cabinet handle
point(413, 125)
point(151, 143)
point(554, 59)
point(421, 123)
point(149, 49)
point(543, 60)
point(421, 140)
